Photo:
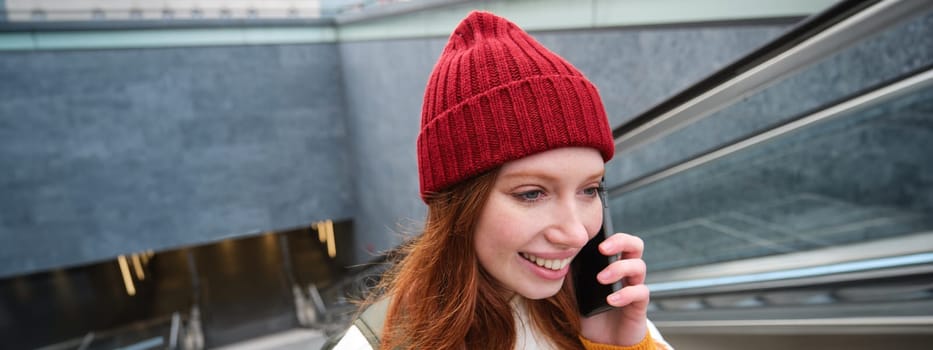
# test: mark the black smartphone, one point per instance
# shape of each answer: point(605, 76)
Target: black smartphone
point(591, 295)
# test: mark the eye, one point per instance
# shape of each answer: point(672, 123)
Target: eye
point(592, 191)
point(529, 196)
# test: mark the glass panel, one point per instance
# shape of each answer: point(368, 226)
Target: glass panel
point(857, 177)
point(903, 48)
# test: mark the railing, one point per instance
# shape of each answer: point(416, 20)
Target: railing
point(159, 333)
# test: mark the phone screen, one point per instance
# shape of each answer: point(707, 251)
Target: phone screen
point(591, 295)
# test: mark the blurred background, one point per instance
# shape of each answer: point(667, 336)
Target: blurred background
point(188, 174)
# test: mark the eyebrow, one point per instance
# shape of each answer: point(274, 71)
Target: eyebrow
point(545, 176)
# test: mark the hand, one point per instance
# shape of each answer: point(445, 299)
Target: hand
point(627, 323)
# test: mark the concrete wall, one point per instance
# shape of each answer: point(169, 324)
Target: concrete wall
point(106, 152)
point(384, 81)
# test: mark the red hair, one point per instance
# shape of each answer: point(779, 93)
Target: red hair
point(443, 299)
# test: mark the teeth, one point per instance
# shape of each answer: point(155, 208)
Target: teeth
point(551, 264)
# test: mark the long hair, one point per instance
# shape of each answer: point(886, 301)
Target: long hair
point(443, 299)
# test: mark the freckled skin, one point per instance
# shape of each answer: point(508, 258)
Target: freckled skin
point(547, 205)
point(543, 204)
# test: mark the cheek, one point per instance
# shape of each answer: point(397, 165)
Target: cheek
point(493, 252)
point(494, 235)
point(485, 239)
point(594, 220)
point(499, 233)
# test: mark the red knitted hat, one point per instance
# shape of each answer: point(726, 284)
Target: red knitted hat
point(497, 95)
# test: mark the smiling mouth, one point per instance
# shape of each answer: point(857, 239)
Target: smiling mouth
point(550, 264)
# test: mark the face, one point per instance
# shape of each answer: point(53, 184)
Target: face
point(541, 211)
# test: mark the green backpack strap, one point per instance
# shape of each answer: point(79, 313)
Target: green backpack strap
point(371, 321)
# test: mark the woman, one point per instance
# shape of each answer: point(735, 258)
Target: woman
point(510, 156)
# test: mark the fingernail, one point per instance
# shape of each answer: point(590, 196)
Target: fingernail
point(606, 246)
point(613, 299)
point(602, 276)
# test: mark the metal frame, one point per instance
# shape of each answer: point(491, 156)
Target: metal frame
point(882, 258)
point(841, 325)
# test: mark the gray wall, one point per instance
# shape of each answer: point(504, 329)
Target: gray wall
point(109, 152)
point(384, 81)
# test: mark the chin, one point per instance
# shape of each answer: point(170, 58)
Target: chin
point(538, 292)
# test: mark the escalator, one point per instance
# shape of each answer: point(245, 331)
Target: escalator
point(791, 192)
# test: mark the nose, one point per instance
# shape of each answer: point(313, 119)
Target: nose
point(569, 226)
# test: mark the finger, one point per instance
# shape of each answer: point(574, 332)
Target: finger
point(633, 270)
point(631, 247)
point(637, 294)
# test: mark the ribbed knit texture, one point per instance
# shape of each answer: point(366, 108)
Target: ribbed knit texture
point(497, 95)
point(645, 344)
